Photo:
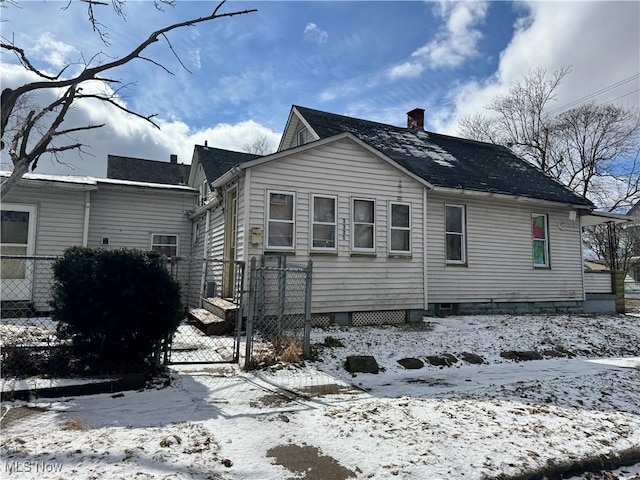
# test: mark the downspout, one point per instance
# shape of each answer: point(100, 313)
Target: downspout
point(424, 248)
point(246, 214)
point(87, 212)
point(584, 287)
point(205, 239)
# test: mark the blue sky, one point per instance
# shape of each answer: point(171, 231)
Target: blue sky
point(373, 60)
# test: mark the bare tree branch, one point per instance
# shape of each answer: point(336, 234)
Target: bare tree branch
point(38, 130)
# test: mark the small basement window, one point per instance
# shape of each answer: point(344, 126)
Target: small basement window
point(105, 241)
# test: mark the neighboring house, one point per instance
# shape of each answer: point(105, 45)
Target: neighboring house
point(45, 214)
point(401, 220)
point(148, 171)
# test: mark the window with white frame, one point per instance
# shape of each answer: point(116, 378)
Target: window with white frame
point(455, 233)
point(165, 244)
point(203, 193)
point(280, 219)
point(324, 222)
point(363, 214)
point(540, 238)
point(399, 227)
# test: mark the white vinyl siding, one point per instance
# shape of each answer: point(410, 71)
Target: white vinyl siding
point(59, 216)
point(323, 215)
point(342, 282)
point(399, 228)
point(499, 264)
point(130, 216)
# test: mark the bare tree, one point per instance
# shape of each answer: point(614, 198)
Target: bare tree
point(259, 147)
point(593, 149)
point(30, 134)
point(618, 247)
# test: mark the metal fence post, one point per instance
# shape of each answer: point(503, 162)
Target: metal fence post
point(250, 314)
point(282, 289)
point(307, 310)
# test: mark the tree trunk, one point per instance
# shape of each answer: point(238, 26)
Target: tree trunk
point(20, 167)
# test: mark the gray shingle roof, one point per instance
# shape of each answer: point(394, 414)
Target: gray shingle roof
point(217, 161)
point(150, 171)
point(446, 161)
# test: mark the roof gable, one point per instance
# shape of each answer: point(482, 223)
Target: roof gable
point(445, 161)
point(217, 161)
point(148, 171)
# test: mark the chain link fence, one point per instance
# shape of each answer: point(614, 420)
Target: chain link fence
point(29, 343)
point(211, 329)
point(279, 320)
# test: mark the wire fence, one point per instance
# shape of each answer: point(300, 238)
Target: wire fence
point(29, 343)
point(279, 321)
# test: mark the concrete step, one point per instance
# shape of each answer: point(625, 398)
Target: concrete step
point(209, 323)
point(221, 307)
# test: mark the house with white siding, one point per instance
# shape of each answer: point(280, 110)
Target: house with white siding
point(45, 214)
point(399, 221)
point(396, 220)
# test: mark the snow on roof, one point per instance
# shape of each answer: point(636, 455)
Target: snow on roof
point(84, 180)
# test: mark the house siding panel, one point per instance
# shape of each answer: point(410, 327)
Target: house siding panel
point(59, 225)
point(499, 261)
point(129, 216)
point(341, 282)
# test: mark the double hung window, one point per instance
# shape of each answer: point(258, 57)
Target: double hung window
point(165, 244)
point(280, 220)
point(323, 223)
point(455, 233)
point(363, 225)
point(399, 228)
point(540, 238)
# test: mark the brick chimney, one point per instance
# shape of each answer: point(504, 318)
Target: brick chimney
point(173, 158)
point(415, 119)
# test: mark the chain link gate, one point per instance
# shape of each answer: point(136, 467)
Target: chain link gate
point(279, 319)
point(213, 291)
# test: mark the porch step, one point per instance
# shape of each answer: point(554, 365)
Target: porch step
point(221, 308)
point(209, 323)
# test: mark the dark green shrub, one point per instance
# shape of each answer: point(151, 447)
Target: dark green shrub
point(114, 305)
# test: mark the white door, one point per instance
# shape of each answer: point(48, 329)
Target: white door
point(17, 229)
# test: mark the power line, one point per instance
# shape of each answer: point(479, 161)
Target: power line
point(598, 92)
point(621, 96)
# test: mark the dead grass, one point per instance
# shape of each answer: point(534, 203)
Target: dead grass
point(75, 424)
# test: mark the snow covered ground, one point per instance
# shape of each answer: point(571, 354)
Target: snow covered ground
point(471, 421)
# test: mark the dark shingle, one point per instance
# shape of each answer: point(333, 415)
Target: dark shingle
point(216, 161)
point(447, 161)
point(149, 171)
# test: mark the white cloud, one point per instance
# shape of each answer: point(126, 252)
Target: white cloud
point(406, 70)
point(52, 51)
point(453, 43)
point(126, 135)
point(315, 34)
point(598, 40)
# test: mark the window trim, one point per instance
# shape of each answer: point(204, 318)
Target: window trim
point(159, 234)
point(267, 217)
point(353, 224)
point(547, 263)
point(407, 229)
point(313, 222)
point(462, 234)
